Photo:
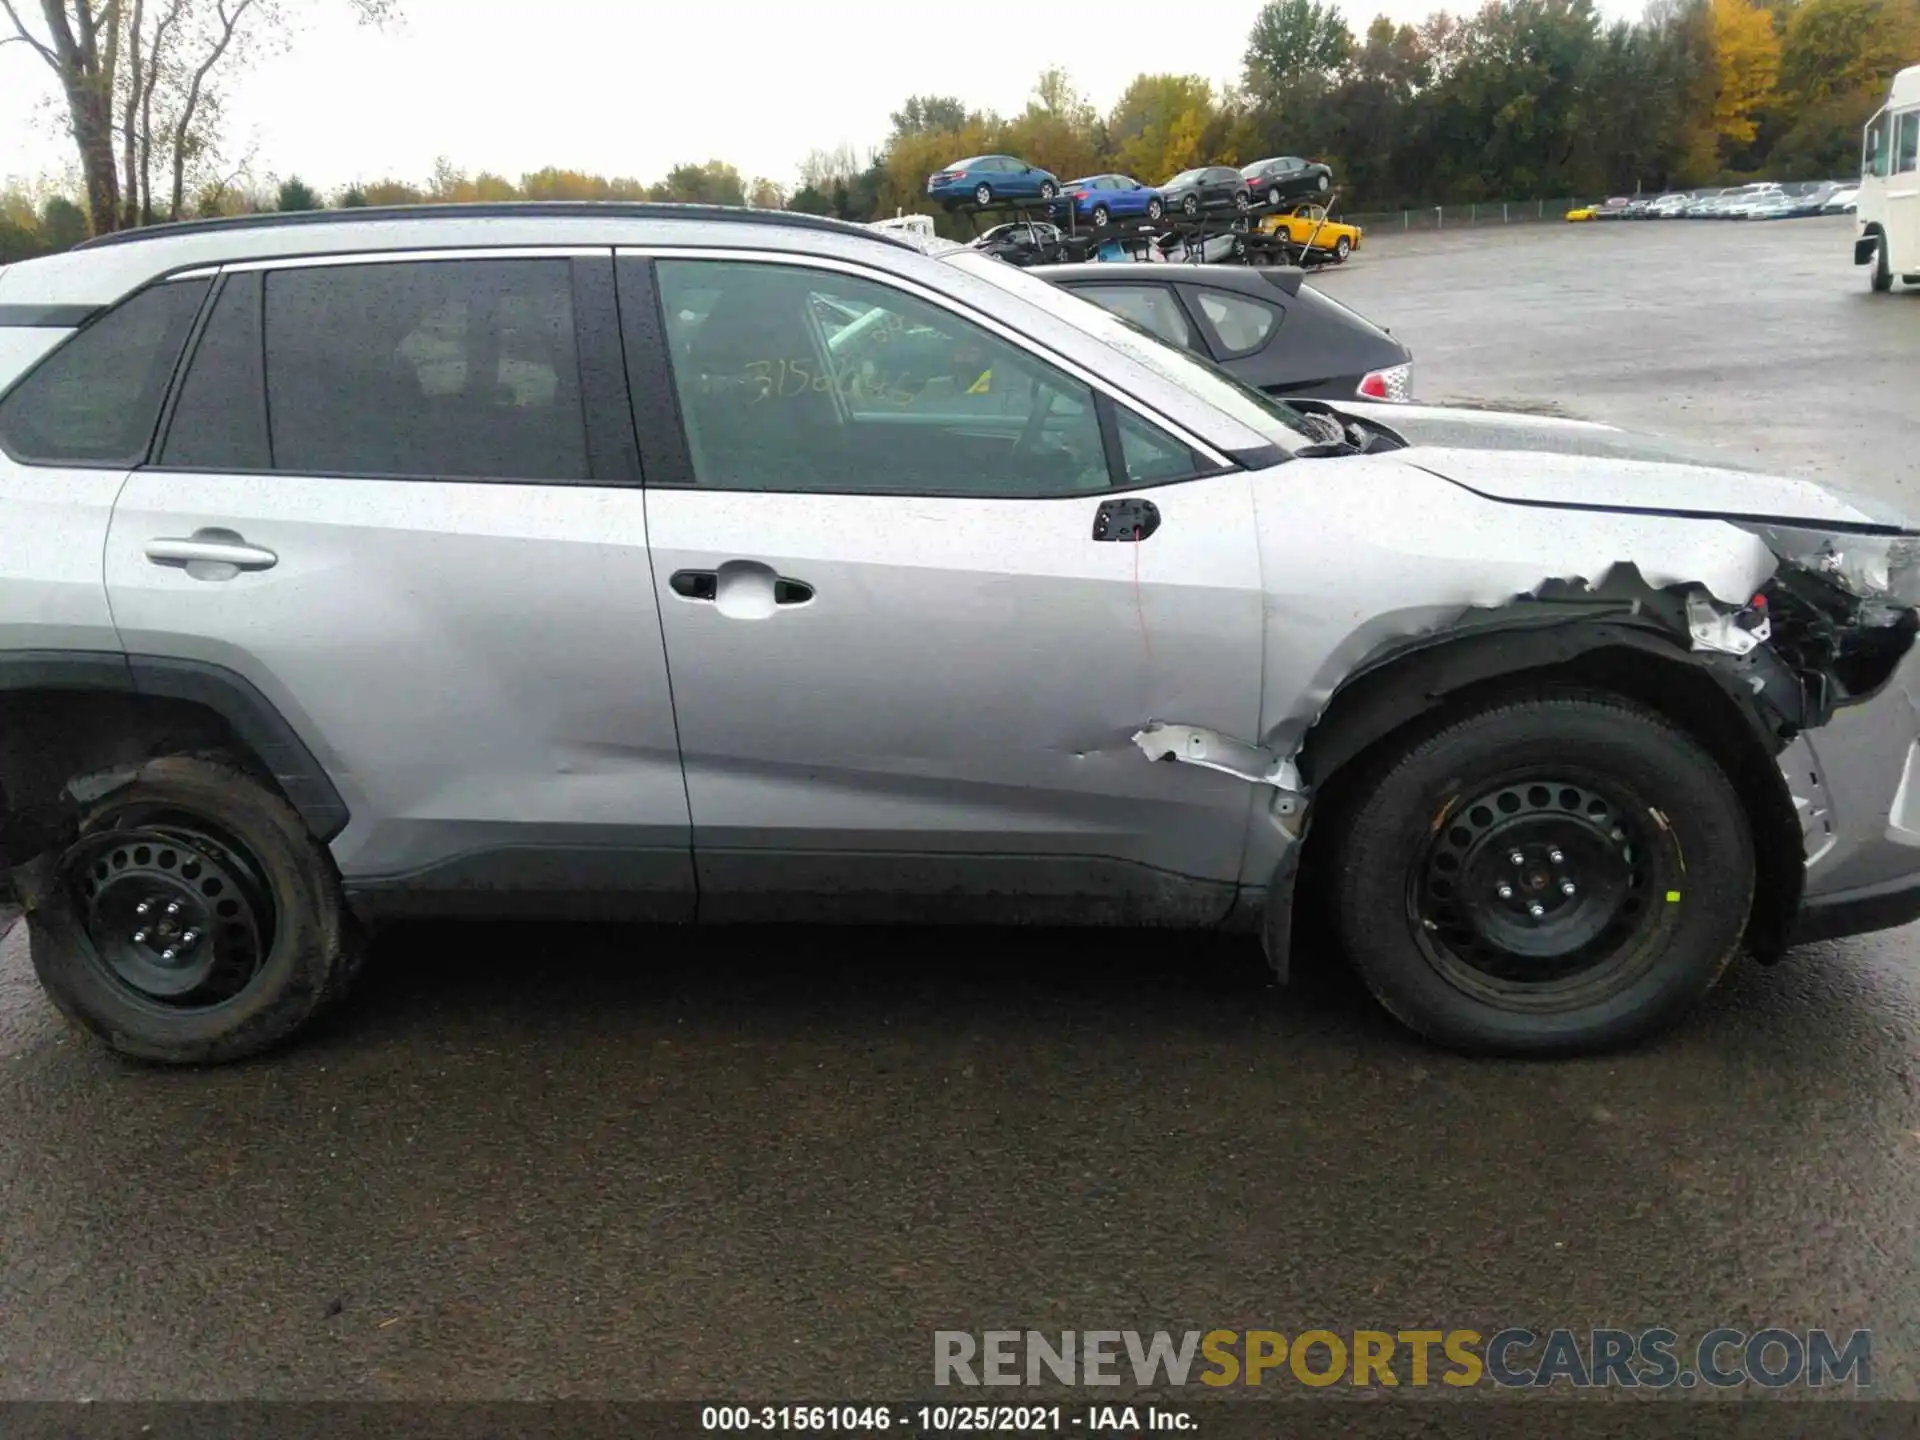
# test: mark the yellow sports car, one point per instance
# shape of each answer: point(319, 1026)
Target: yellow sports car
point(1308, 225)
point(1581, 212)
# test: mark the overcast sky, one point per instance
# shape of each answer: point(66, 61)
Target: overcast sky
point(632, 87)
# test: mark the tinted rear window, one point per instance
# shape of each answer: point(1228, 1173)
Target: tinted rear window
point(95, 400)
point(461, 368)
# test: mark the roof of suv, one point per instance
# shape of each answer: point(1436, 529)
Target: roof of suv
point(103, 270)
point(484, 210)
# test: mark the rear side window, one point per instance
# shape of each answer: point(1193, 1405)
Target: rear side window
point(95, 400)
point(455, 369)
point(1243, 325)
point(1152, 307)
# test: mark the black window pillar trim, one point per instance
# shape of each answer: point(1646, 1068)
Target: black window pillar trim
point(654, 415)
point(613, 457)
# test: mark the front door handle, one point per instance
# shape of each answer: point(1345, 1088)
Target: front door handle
point(211, 554)
point(695, 584)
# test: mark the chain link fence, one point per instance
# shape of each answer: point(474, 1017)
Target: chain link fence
point(1449, 217)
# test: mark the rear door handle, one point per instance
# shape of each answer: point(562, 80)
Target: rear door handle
point(705, 584)
point(211, 554)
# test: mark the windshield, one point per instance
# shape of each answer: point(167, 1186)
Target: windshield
point(1273, 420)
point(1184, 176)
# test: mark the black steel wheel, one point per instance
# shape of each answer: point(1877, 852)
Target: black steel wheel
point(1556, 872)
point(1530, 892)
point(178, 914)
point(194, 919)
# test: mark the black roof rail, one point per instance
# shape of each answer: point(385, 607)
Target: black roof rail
point(494, 210)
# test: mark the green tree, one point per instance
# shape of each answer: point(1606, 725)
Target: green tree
point(1159, 126)
point(922, 114)
point(1294, 39)
point(296, 194)
point(63, 224)
point(352, 198)
point(714, 183)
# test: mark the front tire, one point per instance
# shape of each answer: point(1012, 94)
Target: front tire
point(1882, 276)
point(1048, 190)
point(1482, 953)
point(195, 920)
point(1155, 209)
point(1325, 184)
point(1342, 248)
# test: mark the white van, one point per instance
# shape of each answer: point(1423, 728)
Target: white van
point(1888, 218)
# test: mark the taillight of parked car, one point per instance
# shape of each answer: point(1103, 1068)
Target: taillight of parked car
point(1393, 383)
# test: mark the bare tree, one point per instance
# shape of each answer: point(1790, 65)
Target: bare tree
point(74, 50)
point(166, 92)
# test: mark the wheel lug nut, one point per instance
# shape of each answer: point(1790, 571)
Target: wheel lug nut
point(1516, 857)
point(1566, 887)
point(1555, 856)
point(145, 907)
point(192, 936)
point(1536, 910)
point(173, 907)
point(139, 937)
point(1505, 892)
point(168, 954)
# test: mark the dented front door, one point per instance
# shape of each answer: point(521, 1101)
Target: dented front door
point(922, 705)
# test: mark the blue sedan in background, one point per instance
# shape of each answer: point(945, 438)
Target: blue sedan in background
point(1101, 198)
point(991, 180)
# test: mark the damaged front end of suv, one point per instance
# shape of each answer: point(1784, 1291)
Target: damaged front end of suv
point(1782, 645)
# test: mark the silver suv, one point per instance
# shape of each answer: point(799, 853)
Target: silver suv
point(669, 564)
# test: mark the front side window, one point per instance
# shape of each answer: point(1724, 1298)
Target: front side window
point(809, 380)
point(437, 369)
point(1906, 143)
point(95, 400)
point(1243, 325)
point(1154, 308)
point(1875, 147)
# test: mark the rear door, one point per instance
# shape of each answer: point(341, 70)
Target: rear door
point(399, 495)
point(920, 588)
point(70, 430)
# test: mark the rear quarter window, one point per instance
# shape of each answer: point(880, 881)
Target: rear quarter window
point(96, 399)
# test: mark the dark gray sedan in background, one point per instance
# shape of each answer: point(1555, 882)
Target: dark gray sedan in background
point(1262, 325)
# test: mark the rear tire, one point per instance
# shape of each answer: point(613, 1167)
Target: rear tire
point(202, 841)
point(1191, 204)
point(1274, 196)
point(1444, 928)
point(983, 195)
point(1100, 215)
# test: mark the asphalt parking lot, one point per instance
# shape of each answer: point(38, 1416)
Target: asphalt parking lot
point(623, 1163)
